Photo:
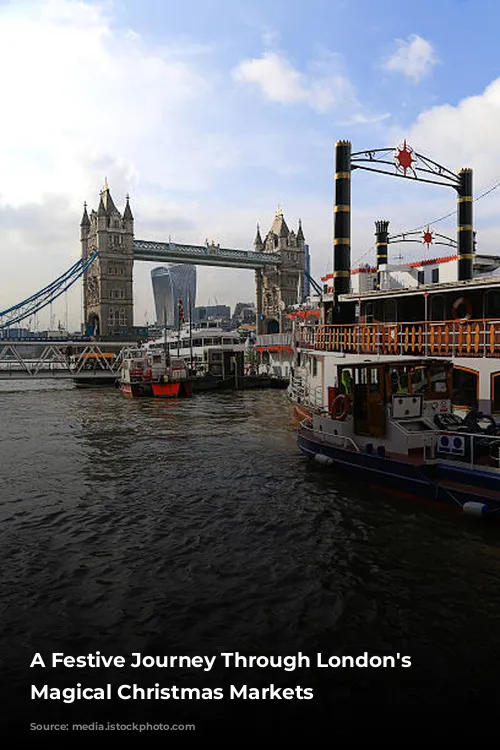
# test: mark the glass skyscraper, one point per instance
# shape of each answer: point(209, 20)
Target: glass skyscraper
point(171, 283)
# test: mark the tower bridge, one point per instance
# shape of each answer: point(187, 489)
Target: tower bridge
point(109, 250)
point(203, 255)
point(278, 263)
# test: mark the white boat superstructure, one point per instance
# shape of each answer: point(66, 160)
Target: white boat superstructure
point(206, 349)
point(458, 320)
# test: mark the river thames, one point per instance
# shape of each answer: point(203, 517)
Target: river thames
point(196, 527)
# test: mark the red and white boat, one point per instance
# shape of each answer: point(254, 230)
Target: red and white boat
point(136, 376)
point(172, 381)
point(144, 374)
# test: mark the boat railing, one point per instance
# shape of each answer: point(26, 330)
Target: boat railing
point(473, 448)
point(466, 447)
point(273, 339)
point(449, 338)
point(306, 424)
point(316, 397)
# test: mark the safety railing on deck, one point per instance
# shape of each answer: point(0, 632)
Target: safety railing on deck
point(343, 440)
point(273, 339)
point(452, 338)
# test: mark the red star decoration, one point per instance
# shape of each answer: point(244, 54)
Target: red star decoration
point(428, 237)
point(404, 157)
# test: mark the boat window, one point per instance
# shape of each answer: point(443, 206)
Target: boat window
point(492, 304)
point(360, 376)
point(418, 379)
point(465, 387)
point(390, 311)
point(374, 379)
point(398, 377)
point(437, 307)
point(197, 342)
point(314, 367)
point(495, 391)
point(346, 381)
point(438, 379)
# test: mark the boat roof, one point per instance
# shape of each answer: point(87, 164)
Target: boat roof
point(478, 282)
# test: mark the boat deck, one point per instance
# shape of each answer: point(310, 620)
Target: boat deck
point(469, 488)
point(416, 458)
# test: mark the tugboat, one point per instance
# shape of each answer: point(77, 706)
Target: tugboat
point(145, 375)
point(136, 375)
point(170, 381)
point(391, 424)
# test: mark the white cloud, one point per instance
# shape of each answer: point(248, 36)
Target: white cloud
point(465, 135)
point(414, 58)
point(322, 88)
point(83, 100)
point(79, 93)
point(360, 119)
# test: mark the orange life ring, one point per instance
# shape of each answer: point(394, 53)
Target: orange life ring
point(458, 303)
point(344, 403)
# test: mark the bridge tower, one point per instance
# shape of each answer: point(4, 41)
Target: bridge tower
point(279, 287)
point(108, 299)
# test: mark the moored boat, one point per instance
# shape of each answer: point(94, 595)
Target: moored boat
point(136, 376)
point(172, 381)
point(391, 424)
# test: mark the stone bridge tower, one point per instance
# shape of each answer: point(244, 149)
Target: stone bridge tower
point(108, 299)
point(279, 287)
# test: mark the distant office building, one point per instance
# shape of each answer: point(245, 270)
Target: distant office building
point(212, 312)
point(17, 333)
point(244, 313)
point(171, 283)
point(307, 273)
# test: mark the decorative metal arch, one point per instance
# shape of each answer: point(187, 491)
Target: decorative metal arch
point(406, 163)
point(409, 165)
point(411, 237)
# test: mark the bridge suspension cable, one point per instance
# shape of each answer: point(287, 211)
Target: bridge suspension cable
point(32, 305)
point(317, 288)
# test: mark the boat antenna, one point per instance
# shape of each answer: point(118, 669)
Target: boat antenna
point(180, 314)
point(165, 347)
point(190, 331)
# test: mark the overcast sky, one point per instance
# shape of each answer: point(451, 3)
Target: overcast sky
point(210, 113)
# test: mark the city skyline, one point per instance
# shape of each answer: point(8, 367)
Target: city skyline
point(277, 85)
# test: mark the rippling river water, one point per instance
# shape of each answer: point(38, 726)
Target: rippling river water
point(195, 527)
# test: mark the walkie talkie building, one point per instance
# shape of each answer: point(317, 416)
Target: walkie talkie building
point(171, 283)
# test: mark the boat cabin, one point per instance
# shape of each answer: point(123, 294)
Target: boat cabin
point(136, 369)
point(409, 390)
point(391, 422)
point(393, 406)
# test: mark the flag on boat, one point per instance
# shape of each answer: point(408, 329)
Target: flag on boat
point(181, 311)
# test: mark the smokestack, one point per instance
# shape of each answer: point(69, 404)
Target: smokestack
point(382, 235)
point(342, 219)
point(465, 232)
